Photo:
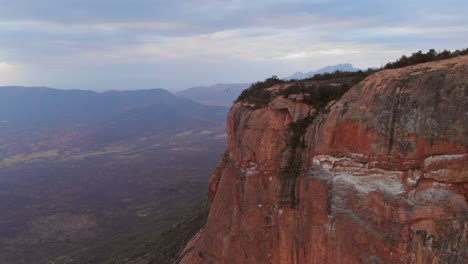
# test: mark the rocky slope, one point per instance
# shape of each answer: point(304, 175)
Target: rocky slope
point(378, 176)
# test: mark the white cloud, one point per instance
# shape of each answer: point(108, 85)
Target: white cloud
point(212, 40)
point(77, 27)
point(9, 73)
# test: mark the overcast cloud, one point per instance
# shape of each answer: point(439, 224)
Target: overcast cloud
point(131, 44)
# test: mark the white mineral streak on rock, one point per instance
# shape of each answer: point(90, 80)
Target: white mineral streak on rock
point(433, 159)
point(354, 175)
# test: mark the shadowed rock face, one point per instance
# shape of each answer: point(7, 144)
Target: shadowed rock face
point(381, 176)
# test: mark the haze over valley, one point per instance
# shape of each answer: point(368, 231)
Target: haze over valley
point(84, 175)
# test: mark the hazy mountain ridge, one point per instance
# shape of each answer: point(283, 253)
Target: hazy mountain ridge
point(40, 104)
point(216, 94)
point(328, 69)
point(67, 118)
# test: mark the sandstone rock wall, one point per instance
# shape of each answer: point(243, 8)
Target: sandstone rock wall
point(379, 176)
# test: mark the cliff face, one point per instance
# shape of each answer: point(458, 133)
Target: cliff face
point(379, 176)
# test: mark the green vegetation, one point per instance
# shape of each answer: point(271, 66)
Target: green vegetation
point(296, 144)
point(360, 75)
point(317, 90)
point(320, 89)
point(256, 93)
point(298, 130)
point(318, 95)
point(420, 57)
point(290, 174)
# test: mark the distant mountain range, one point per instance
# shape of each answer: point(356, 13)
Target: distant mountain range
point(225, 94)
point(217, 94)
point(100, 117)
point(339, 67)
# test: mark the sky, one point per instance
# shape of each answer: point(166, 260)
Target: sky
point(176, 44)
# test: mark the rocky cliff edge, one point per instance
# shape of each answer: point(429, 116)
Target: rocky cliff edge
point(379, 175)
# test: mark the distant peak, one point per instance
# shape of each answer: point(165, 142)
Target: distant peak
point(326, 69)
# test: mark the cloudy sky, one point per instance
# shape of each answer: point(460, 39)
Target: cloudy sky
point(175, 44)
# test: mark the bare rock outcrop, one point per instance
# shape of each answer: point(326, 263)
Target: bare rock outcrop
point(378, 176)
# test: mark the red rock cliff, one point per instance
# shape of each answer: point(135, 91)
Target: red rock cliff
point(381, 176)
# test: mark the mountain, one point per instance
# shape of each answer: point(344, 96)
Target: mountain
point(99, 117)
point(90, 177)
point(375, 175)
point(217, 94)
point(329, 69)
point(47, 106)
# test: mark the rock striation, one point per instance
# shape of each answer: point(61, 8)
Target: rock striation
point(378, 176)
